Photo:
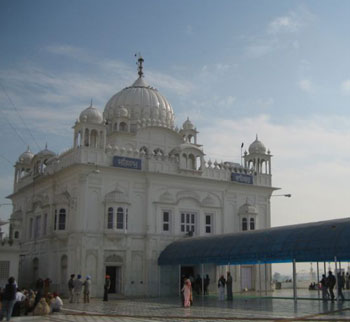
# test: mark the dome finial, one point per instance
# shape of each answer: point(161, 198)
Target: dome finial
point(91, 103)
point(139, 63)
point(257, 137)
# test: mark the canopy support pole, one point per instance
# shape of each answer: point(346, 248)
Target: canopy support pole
point(318, 280)
point(159, 267)
point(202, 280)
point(294, 281)
point(324, 269)
point(259, 268)
point(265, 279)
point(180, 280)
point(336, 277)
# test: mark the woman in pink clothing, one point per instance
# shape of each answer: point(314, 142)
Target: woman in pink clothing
point(187, 291)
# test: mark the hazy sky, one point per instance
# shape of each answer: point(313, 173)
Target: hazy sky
point(279, 69)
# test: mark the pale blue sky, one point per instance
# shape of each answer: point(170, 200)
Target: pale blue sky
point(236, 68)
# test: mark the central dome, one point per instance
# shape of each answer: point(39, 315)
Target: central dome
point(144, 104)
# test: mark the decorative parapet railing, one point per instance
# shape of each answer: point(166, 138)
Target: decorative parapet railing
point(152, 163)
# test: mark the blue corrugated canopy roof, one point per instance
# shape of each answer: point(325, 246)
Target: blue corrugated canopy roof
point(312, 242)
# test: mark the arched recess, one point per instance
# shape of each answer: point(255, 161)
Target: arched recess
point(63, 272)
point(191, 162)
point(35, 269)
point(86, 137)
point(91, 269)
point(123, 127)
point(93, 138)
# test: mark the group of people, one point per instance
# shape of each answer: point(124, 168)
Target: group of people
point(16, 301)
point(328, 283)
point(76, 286)
point(186, 288)
point(222, 282)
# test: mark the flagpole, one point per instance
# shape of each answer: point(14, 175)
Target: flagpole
point(242, 154)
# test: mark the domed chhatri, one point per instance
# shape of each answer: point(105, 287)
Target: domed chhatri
point(91, 115)
point(142, 102)
point(26, 157)
point(46, 152)
point(188, 125)
point(257, 147)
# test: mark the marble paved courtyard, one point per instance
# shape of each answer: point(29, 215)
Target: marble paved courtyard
point(242, 308)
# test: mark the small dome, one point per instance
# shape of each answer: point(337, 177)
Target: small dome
point(257, 147)
point(91, 115)
point(246, 209)
point(45, 153)
point(26, 157)
point(188, 125)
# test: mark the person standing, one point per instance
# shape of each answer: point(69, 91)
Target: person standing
point(8, 299)
point(78, 286)
point(331, 283)
point(106, 287)
point(71, 288)
point(229, 286)
point(206, 284)
point(324, 288)
point(340, 286)
point(87, 288)
point(187, 292)
point(347, 281)
point(47, 283)
point(221, 287)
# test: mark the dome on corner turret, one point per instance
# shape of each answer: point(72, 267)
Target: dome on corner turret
point(188, 125)
point(257, 147)
point(26, 157)
point(45, 153)
point(91, 115)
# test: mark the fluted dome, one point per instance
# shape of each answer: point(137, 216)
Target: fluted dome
point(247, 208)
point(91, 115)
point(26, 157)
point(143, 103)
point(257, 147)
point(45, 153)
point(188, 125)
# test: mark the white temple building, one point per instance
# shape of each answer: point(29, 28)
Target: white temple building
point(131, 184)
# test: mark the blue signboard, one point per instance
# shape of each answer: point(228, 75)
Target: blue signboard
point(242, 178)
point(128, 163)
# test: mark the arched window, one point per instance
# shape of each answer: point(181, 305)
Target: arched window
point(62, 219)
point(16, 234)
point(110, 219)
point(123, 127)
point(120, 218)
point(244, 224)
point(252, 224)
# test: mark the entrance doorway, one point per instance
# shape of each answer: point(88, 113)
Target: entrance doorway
point(187, 271)
point(115, 275)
